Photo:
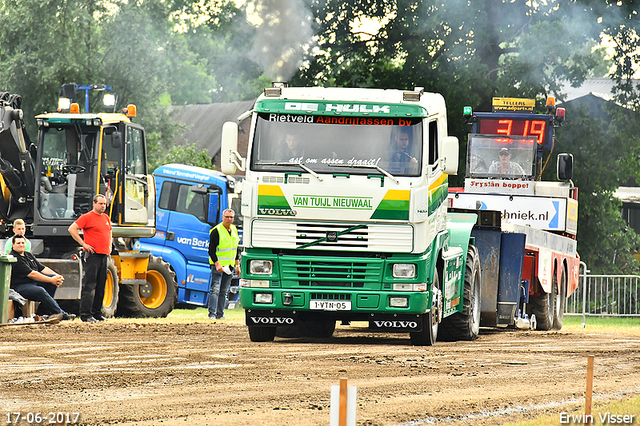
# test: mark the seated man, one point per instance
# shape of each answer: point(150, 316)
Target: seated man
point(505, 166)
point(290, 149)
point(34, 281)
point(400, 159)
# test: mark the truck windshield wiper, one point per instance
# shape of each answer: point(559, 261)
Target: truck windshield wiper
point(362, 166)
point(302, 166)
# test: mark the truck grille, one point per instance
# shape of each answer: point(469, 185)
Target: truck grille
point(379, 238)
point(347, 274)
point(329, 296)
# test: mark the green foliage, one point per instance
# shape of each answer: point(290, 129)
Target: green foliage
point(599, 139)
point(190, 155)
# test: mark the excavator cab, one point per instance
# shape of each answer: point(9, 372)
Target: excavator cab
point(81, 155)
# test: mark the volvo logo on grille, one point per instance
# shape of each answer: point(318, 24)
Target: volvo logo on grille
point(332, 236)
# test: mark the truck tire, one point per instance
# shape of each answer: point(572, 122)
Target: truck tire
point(430, 320)
point(465, 325)
point(543, 307)
point(560, 300)
point(111, 287)
point(156, 298)
point(262, 334)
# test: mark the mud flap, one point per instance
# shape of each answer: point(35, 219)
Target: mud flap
point(264, 318)
point(396, 323)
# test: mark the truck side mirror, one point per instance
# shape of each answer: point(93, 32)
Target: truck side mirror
point(213, 210)
point(230, 159)
point(450, 152)
point(565, 167)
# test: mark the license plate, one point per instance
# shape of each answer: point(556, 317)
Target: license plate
point(330, 305)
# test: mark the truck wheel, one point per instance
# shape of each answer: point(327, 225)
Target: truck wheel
point(560, 300)
point(262, 334)
point(465, 325)
point(110, 300)
point(543, 307)
point(156, 298)
point(430, 320)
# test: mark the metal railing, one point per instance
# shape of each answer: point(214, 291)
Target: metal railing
point(605, 295)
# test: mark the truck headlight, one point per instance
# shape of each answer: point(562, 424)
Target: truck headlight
point(266, 298)
point(261, 267)
point(404, 270)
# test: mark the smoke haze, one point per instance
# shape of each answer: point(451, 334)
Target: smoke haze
point(284, 34)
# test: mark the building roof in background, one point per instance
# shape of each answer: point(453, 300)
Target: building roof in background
point(204, 122)
point(599, 87)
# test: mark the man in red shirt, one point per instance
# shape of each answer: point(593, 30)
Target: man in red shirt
point(96, 230)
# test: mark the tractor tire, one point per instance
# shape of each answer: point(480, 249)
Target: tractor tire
point(465, 325)
point(543, 307)
point(430, 320)
point(262, 334)
point(111, 290)
point(560, 300)
point(154, 299)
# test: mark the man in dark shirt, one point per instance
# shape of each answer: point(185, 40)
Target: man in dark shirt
point(34, 281)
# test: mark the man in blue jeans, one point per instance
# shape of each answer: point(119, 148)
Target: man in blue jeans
point(224, 259)
point(34, 281)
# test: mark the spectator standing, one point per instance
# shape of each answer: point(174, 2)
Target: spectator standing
point(223, 259)
point(96, 230)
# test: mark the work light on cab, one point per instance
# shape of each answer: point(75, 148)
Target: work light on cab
point(64, 104)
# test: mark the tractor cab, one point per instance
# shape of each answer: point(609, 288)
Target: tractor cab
point(83, 154)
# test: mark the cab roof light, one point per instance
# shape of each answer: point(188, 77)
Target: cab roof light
point(551, 104)
point(413, 96)
point(467, 113)
point(74, 108)
point(560, 116)
point(273, 92)
point(130, 111)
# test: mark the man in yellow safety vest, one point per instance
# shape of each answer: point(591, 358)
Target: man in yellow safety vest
point(224, 259)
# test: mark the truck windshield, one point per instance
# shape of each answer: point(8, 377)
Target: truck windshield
point(65, 173)
point(319, 143)
point(492, 156)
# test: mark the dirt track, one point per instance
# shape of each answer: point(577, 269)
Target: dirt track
point(150, 373)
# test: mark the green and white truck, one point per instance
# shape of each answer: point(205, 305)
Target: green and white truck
point(345, 215)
